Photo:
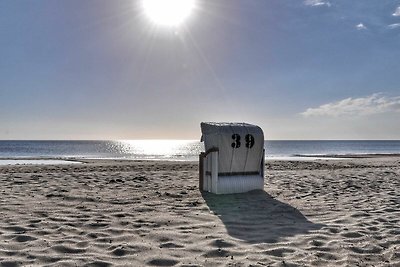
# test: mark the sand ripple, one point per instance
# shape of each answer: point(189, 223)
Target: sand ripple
point(107, 213)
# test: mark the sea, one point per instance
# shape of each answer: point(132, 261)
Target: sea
point(184, 150)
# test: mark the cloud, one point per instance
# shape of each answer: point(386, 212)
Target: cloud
point(317, 3)
point(361, 26)
point(373, 104)
point(397, 12)
point(394, 26)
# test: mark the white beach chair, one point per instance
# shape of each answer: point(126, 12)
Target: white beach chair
point(233, 161)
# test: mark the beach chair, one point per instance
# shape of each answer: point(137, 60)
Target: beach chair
point(233, 161)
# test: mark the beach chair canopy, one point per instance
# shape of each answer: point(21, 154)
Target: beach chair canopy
point(240, 146)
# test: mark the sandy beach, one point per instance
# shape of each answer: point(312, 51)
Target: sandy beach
point(151, 213)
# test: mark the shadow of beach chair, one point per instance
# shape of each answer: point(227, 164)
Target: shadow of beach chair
point(256, 217)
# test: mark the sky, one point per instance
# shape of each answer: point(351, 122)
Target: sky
point(100, 69)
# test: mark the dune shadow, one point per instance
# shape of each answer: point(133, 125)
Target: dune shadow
point(256, 217)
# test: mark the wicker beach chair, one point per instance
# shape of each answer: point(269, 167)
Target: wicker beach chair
point(233, 161)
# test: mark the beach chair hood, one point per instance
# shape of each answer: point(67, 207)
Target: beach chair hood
point(240, 146)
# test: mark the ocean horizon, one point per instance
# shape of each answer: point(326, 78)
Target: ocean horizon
point(184, 150)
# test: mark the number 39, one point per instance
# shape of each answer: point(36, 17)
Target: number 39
point(248, 138)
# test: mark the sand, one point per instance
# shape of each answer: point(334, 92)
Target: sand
point(124, 213)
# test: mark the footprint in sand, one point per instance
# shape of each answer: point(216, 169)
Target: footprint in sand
point(98, 264)
point(24, 238)
point(219, 243)
point(67, 250)
point(162, 262)
point(119, 252)
point(279, 252)
point(170, 245)
point(352, 235)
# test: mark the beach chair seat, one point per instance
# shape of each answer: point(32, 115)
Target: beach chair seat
point(233, 161)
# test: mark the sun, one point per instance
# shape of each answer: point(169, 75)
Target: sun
point(169, 13)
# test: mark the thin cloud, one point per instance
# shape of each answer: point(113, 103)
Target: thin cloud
point(361, 26)
point(317, 3)
point(394, 26)
point(397, 12)
point(373, 104)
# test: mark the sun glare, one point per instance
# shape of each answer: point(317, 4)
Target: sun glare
point(170, 13)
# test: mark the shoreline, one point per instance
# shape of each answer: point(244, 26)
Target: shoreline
point(297, 157)
point(352, 156)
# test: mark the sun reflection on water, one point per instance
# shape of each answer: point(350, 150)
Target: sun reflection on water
point(156, 148)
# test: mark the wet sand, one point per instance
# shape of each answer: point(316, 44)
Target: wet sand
point(124, 213)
